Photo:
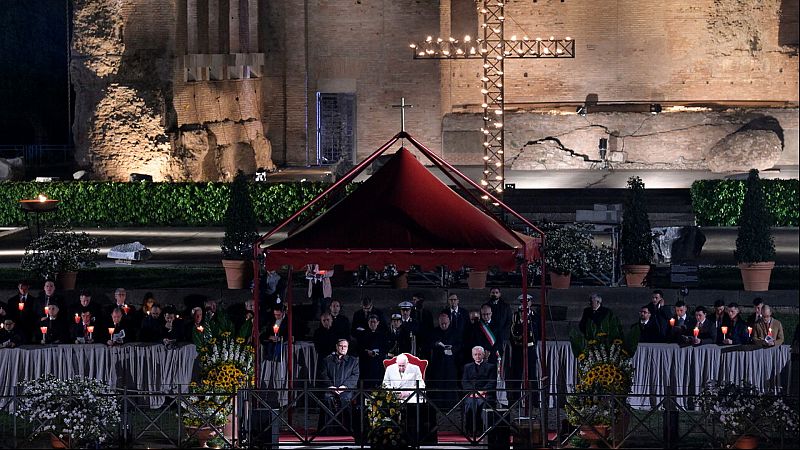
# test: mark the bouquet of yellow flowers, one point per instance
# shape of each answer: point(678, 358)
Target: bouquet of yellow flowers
point(384, 418)
point(226, 365)
point(605, 373)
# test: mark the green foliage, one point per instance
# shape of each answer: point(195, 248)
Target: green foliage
point(114, 204)
point(719, 202)
point(58, 251)
point(241, 229)
point(571, 249)
point(636, 242)
point(754, 242)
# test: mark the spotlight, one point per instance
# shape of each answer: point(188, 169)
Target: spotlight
point(655, 108)
point(581, 110)
point(603, 148)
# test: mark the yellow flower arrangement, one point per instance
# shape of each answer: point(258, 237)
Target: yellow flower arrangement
point(384, 419)
point(226, 365)
point(604, 372)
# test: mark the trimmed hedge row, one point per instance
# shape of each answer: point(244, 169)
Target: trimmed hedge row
point(115, 204)
point(718, 203)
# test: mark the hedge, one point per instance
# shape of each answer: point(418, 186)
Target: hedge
point(717, 203)
point(115, 204)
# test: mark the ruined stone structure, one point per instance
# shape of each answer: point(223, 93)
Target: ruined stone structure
point(194, 89)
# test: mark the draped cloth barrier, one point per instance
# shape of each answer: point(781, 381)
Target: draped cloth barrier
point(148, 368)
point(153, 369)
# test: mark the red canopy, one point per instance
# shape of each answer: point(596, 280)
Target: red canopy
point(403, 215)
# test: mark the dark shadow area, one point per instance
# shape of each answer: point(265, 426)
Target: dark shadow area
point(788, 25)
point(767, 123)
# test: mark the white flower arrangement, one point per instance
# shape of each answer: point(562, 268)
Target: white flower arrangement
point(741, 409)
point(79, 408)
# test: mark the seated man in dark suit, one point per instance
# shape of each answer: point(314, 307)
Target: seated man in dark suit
point(10, 337)
point(651, 329)
point(83, 331)
point(339, 373)
point(57, 327)
point(120, 330)
point(480, 382)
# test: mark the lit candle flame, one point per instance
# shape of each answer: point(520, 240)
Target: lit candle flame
point(749, 331)
point(21, 306)
point(90, 329)
point(200, 328)
point(672, 322)
point(275, 329)
point(724, 331)
point(43, 330)
point(111, 331)
point(42, 198)
point(696, 331)
point(77, 318)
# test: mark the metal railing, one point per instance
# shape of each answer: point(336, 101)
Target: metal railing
point(305, 417)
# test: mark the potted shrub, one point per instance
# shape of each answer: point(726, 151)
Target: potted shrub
point(569, 250)
point(636, 241)
point(76, 412)
point(755, 248)
point(241, 231)
point(59, 254)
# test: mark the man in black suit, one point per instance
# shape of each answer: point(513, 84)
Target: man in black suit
point(10, 337)
point(446, 362)
point(339, 373)
point(120, 331)
point(595, 312)
point(339, 322)
point(48, 297)
point(85, 303)
point(361, 317)
point(486, 334)
point(480, 383)
point(501, 314)
point(80, 332)
point(706, 333)
point(680, 323)
point(658, 310)
point(57, 331)
point(459, 317)
point(651, 330)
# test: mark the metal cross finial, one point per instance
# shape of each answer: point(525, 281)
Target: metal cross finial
point(402, 107)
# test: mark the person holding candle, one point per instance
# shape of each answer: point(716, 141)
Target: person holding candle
point(57, 327)
point(681, 325)
point(276, 334)
point(80, 331)
point(173, 331)
point(769, 331)
point(755, 317)
point(736, 327)
point(119, 329)
point(48, 297)
point(703, 332)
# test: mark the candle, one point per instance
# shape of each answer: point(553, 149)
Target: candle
point(200, 328)
point(90, 329)
point(672, 322)
point(696, 331)
point(21, 306)
point(43, 330)
point(125, 308)
point(45, 310)
point(724, 331)
point(42, 198)
point(110, 332)
point(275, 329)
point(749, 331)
point(77, 318)
point(769, 332)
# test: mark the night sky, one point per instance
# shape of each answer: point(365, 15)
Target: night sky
point(33, 85)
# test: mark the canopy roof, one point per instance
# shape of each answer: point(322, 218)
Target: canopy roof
point(403, 215)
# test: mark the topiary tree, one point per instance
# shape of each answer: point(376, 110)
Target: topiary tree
point(241, 227)
point(636, 242)
point(754, 242)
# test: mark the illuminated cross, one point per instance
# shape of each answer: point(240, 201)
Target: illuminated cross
point(493, 49)
point(402, 107)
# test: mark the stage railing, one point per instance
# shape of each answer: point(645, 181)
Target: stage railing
point(261, 419)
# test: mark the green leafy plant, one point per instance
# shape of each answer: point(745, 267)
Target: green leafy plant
point(60, 251)
point(636, 241)
point(571, 249)
point(605, 373)
point(754, 243)
point(241, 228)
point(81, 409)
point(718, 203)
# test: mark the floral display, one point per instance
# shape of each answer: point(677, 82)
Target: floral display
point(570, 249)
point(60, 250)
point(384, 419)
point(83, 410)
point(605, 374)
point(226, 365)
point(741, 409)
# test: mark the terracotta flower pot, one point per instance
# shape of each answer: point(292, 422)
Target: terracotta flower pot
point(477, 279)
point(635, 274)
point(234, 272)
point(755, 276)
point(57, 442)
point(558, 281)
point(67, 280)
point(747, 441)
point(202, 434)
point(594, 433)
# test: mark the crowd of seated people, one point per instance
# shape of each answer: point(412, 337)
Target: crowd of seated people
point(47, 318)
